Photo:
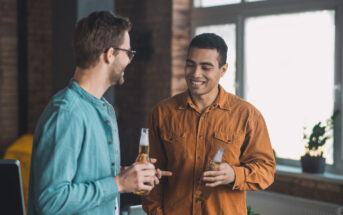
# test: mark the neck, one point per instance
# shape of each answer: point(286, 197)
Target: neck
point(93, 80)
point(203, 101)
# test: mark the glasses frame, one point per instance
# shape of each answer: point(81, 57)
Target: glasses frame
point(130, 53)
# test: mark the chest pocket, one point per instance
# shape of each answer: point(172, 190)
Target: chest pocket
point(232, 142)
point(175, 146)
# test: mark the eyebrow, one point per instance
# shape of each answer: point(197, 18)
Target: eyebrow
point(202, 63)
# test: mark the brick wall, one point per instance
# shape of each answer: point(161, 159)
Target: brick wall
point(160, 33)
point(308, 188)
point(8, 74)
point(39, 58)
point(147, 78)
point(39, 40)
point(181, 36)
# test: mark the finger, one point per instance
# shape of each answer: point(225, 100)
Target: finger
point(216, 167)
point(145, 166)
point(148, 173)
point(216, 178)
point(156, 181)
point(150, 166)
point(145, 186)
point(223, 166)
point(153, 160)
point(166, 173)
point(208, 179)
point(158, 173)
point(212, 173)
point(151, 181)
point(215, 184)
point(161, 173)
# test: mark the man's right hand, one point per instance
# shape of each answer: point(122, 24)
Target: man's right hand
point(137, 177)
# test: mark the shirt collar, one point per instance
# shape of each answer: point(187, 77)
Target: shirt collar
point(85, 95)
point(222, 101)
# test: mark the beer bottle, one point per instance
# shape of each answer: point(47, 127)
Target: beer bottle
point(143, 156)
point(204, 192)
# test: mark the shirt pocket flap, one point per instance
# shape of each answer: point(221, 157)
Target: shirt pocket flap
point(226, 137)
point(172, 137)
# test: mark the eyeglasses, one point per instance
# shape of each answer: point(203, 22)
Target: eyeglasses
point(130, 53)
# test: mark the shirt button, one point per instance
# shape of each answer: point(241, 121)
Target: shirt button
point(110, 142)
point(203, 116)
point(113, 164)
point(108, 121)
point(104, 104)
point(199, 157)
point(200, 136)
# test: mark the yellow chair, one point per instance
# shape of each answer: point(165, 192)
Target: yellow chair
point(21, 150)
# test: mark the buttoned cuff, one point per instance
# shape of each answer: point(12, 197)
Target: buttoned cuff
point(109, 188)
point(239, 178)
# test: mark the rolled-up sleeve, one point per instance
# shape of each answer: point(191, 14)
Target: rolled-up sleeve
point(257, 162)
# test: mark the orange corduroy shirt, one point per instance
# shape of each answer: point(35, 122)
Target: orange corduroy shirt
point(184, 140)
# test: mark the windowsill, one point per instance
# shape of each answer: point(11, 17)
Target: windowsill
point(297, 172)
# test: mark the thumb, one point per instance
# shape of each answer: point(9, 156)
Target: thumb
point(153, 160)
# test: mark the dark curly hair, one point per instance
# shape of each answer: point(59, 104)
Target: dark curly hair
point(211, 41)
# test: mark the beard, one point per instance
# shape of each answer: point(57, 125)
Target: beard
point(117, 76)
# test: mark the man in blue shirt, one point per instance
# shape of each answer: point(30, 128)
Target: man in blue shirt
point(75, 167)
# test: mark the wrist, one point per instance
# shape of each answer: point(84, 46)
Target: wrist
point(120, 187)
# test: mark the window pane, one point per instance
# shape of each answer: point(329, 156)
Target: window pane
point(210, 3)
point(228, 33)
point(290, 75)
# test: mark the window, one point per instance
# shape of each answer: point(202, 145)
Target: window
point(289, 64)
point(210, 3)
point(289, 67)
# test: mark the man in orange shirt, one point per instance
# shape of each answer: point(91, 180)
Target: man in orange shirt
point(187, 130)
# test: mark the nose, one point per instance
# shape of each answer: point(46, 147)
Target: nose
point(197, 71)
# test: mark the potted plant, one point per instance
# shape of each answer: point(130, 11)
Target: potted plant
point(251, 212)
point(313, 161)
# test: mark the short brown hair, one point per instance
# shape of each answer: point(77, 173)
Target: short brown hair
point(96, 33)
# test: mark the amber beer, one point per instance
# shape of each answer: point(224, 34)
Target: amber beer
point(203, 192)
point(143, 156)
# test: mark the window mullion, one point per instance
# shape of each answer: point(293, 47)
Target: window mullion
point(338, 145)
point(240, 57)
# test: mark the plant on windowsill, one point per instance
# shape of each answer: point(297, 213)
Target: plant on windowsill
point(250, 212)
point(313, 161)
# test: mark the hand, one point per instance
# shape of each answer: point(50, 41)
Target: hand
point(160, 173)
point(137, 177)
point(220, 175)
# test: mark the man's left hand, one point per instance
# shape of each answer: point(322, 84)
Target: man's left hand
point(221, 174)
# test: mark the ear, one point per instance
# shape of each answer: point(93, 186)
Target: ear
point(223, 70)
point(109, 56)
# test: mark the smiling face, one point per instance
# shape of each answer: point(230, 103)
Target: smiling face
point(121, 62)
point(203, 73)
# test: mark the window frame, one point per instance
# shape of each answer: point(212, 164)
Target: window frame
point(237, 13)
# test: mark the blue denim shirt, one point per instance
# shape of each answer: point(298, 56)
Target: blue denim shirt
point(75, 156)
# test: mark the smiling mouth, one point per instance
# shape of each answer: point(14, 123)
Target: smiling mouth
point(196, 84)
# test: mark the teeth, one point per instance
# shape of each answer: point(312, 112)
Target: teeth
point(196, 83)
